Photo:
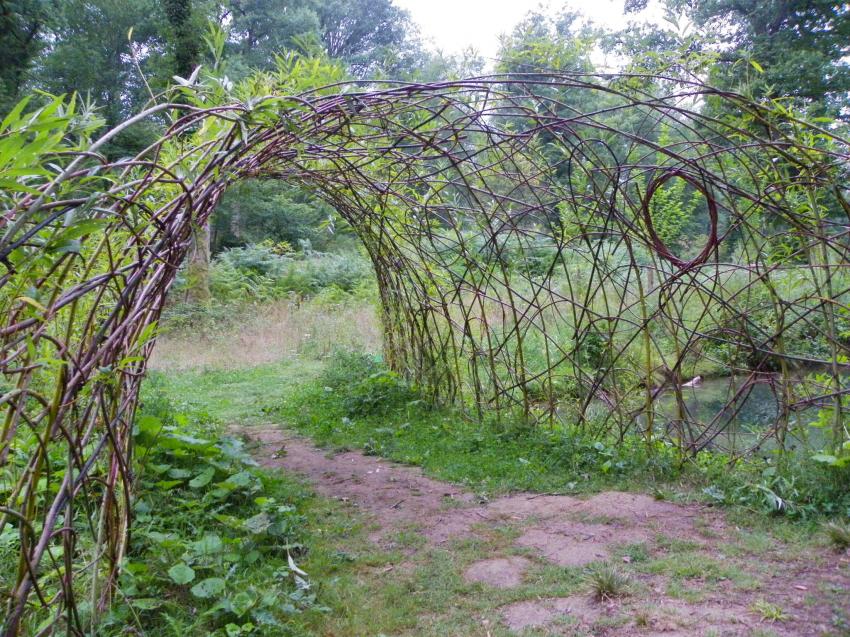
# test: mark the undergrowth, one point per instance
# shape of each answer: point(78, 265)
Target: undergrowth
point(217, 541)
point(607, 582)
point(359, 403)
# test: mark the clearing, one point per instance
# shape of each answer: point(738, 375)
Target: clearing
point(524, 563)
point(393, 551)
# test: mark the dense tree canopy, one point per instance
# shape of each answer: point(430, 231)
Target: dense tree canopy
point(22, 23)
point(777, 48)
point(801, 44)
point(108, 49)
point(120, 54)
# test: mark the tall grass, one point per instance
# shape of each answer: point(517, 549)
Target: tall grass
point(252, 334)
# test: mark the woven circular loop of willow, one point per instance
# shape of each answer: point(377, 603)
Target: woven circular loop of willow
point(658, 245)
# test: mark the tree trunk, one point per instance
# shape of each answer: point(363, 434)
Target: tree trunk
point(198, 267)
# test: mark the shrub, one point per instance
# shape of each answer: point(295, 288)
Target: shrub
point(365, 384)
point(216, 540)
point(263, 272)
point(838, 534)
point(607, 582)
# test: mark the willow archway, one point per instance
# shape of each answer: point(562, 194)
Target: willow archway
point(548, 249)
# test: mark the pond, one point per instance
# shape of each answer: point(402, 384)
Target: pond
point(737, 420)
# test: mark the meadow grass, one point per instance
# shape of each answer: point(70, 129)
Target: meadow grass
point(254, 334)
point(365, 589)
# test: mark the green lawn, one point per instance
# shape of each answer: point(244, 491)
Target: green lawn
point(237, 396)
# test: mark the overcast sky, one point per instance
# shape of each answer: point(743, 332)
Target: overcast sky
point(453, 25)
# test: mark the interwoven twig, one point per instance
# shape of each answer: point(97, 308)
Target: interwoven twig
point(520, 252)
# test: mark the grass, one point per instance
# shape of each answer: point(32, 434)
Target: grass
point(411, 589)
point(219, 546)
point(357, 404)
point(237, 336)
point(838, 534)
point(238, 396)
point(769, 612)
point(489, 459)
point(366, 590)
point(607, 582)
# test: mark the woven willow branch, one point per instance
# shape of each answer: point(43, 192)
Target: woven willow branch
point(523, 235)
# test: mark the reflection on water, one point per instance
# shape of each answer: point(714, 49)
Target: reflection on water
point(736, 419)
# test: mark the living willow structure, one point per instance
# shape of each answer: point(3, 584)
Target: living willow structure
point(554, 250)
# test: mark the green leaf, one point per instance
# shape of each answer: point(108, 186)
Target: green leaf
point(148, 424)
point(756, 66)
point(31, 301)
point(181, 573)
point(203, 478)
point(158, 469)
point(826, 458)
point(241, 479)
point(242, 603)
point(146, 603)
point(258, 524)
point(208, 588)
point(15, 114)
point(207, 545)
point(167, 485)
point(67, 247)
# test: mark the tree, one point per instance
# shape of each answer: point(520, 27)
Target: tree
point(22, 24)
point(90, 52)
point(798, 48)
point(261, 29)
point(363, 33)
point(184, 36)
point(542, 42)
point(254, 211)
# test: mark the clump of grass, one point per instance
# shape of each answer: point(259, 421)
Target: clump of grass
point(608, 582)
point(769, 612)
point(838, 534)
point(642, 620)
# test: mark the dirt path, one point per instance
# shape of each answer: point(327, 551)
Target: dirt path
point(769, 589)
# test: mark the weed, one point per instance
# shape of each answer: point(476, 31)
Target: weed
point(218, 542)
point(636, 553)
point(240, 335)
point(607, 582)
point(838, 534)
point(769, 612)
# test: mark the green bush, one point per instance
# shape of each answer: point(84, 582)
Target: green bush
point(260, 273)
point(365, 385)
point(358, 403)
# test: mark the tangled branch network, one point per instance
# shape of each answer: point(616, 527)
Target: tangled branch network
point(558, 250)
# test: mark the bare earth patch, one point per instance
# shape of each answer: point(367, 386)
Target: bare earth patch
point(674, 617)
point(666, 618)
point(572, 532)
point(576, 610)
point(398, 496)
point(569, 543)
point(498, 572)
